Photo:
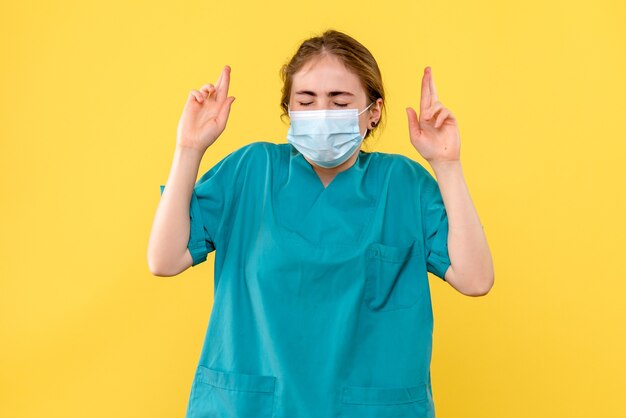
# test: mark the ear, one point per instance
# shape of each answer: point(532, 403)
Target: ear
point(375, 112)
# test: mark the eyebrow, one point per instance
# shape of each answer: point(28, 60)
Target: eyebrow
point(330, 94)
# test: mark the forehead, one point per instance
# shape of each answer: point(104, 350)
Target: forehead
point(325, 74)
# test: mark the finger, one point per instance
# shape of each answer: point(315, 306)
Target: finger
point(425, 94)
point(190, 99)
point(219, 79)
point(441, 118)
point(432, 111)
point(197, 95)
point(431, 83)
point(223, 83)
point(205, 92)
point(207, 89)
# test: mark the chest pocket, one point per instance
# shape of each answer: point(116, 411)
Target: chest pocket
point(395, 277)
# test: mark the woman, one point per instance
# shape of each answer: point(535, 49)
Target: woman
point(322, 302)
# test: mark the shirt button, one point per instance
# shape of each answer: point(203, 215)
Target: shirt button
point(375, 252)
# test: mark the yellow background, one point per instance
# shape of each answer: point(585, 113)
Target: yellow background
point(91, 93)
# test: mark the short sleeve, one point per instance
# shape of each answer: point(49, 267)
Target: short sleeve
point(211, 199)
point(435, 227)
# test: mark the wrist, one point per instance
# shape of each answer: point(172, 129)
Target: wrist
point(184, 153)
point(187, 150)
point(445, 165)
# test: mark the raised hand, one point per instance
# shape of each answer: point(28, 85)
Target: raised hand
point(435, 135)
point(205, 114)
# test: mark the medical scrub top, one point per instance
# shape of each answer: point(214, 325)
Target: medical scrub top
point(322, 304)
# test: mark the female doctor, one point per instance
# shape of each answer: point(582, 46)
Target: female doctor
point(321, 296)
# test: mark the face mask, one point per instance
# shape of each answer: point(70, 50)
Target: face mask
point(326, 137)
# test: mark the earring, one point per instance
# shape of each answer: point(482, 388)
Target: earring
point(373, 124)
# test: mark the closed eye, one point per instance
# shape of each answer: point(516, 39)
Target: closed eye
point(337, 104)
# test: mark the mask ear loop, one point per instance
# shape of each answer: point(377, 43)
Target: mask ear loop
point(366, 129)
point(366, 108)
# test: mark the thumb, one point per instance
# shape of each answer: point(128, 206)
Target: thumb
point(414, 126)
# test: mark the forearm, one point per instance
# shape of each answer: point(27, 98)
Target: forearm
point(469, 252)
point(171, 226)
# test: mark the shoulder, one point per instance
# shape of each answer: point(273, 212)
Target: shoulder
point(254, 155)
point(399, 166)
point(244, 165)
point(258, 152)
point(407, 177)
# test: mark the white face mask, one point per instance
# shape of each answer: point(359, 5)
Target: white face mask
point(326, 137)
